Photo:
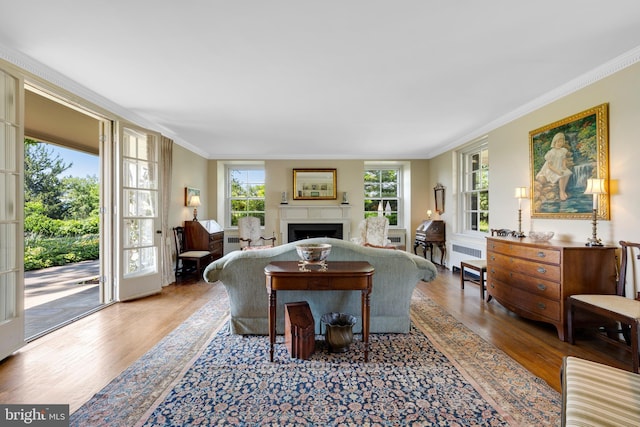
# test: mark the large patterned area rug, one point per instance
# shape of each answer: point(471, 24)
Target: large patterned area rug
point(441, 373)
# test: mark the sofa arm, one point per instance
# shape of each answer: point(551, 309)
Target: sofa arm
point(597, 395)
point(428, 271)
point(214, 270)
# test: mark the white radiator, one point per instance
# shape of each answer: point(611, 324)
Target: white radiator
point(462, 250)
point(398, 237)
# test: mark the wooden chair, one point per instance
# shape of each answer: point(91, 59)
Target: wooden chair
point(614, 308)
point(480, 266)
point(188, 261)
point(250, 234)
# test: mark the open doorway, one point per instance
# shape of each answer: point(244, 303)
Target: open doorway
point(62, 214)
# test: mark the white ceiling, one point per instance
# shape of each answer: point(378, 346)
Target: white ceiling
point(331, 79)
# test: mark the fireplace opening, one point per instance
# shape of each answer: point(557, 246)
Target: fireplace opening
point(307, 231)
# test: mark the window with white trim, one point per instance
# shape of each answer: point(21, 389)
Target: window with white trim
point(245, 193)
point(383, 192)
point(474, 194)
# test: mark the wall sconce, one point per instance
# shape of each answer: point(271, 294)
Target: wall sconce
point(429, 213)
point(521, 193)
point(194, 202)
point(595, 186)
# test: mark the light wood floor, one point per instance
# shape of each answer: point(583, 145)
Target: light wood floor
point(72, 364)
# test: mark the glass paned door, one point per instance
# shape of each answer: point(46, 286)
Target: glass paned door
point(140, 221)
point(11, 213)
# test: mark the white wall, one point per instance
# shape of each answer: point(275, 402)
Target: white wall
point(510, 164)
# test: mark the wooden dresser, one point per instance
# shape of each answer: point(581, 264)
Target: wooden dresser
point(204, 235)
point(534, 279)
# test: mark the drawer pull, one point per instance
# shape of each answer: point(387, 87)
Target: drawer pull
point(541, 254)
point(542, 270)
point(542, 287)
point(541, 306)
point(493, 258)
point(493, 271)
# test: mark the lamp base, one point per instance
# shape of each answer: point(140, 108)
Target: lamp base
point(594, 242)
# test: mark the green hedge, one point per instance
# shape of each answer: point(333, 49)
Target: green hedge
point(42, 252)
point(42, 225)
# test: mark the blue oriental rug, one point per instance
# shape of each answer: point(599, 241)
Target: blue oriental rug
point(440, 373)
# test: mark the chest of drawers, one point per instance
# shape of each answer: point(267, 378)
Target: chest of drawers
point(534, 279)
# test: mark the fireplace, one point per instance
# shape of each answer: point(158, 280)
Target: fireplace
point(299, 231)
point(299, 222)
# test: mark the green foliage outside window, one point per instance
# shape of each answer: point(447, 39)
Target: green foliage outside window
point(247, 190)
point(381, 186)
point(62, 222)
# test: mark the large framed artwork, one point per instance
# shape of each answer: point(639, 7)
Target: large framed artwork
point(563, 155)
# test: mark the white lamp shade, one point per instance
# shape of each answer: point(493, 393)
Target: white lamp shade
point(595, 186)
point(521, 192)
point(194, 201)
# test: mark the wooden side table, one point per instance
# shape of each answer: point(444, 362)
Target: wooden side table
point(339, 276)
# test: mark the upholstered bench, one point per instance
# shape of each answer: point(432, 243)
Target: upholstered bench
point(594, 394)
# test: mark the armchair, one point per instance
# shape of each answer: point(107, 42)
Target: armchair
point(374, 231)
point(250, 234)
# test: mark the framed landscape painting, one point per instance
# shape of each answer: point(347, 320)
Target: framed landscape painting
point(563, 155)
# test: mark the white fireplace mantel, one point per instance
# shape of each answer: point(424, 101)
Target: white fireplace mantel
point(320, 214)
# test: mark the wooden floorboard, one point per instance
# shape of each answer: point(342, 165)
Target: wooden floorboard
point(71, 364)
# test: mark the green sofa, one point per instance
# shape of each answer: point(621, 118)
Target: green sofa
point(396, 275)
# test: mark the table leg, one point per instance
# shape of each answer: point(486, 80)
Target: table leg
point(366, 305)
point(272, 323)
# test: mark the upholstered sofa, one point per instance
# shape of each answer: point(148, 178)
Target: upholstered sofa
point(396, 275)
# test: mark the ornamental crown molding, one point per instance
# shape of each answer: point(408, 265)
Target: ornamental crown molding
point(605, 70)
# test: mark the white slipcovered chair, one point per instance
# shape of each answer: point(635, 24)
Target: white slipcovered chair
point(251, 235)
point(374, 231)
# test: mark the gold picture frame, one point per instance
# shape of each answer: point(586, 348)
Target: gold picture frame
point(438, 192)
point(189, 192)
point(563, 155)
point(314, 184)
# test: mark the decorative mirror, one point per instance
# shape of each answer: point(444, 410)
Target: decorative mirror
point(438, 191)
point(314, 184)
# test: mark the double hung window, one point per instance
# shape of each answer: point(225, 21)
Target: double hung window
point(474, 165)
point(245, 193)
point(383, 193)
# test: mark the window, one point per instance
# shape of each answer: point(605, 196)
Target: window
point(474, 164)
point(382, 190)
point(245, 193)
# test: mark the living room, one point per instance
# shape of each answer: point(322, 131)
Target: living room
point(615, 84)
point(509, 147)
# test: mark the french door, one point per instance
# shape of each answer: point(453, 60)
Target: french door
point(139, 225)
point(11, 214)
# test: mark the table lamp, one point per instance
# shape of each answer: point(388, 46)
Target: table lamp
point(194, 202)
point(596, 187)
point(521, 193)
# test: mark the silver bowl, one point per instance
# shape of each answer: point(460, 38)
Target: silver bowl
point(541, 236)
point(313, 252)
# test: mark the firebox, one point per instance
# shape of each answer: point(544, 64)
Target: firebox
point(307, 231)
